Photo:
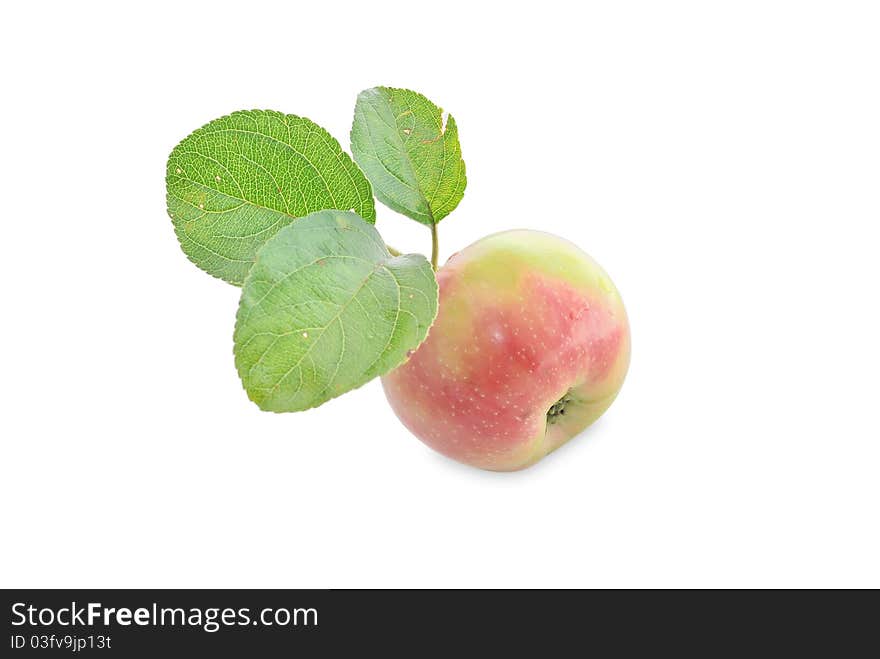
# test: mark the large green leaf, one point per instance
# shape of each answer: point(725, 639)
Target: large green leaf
point(412, 159)
point(237, 180)
point(326, 308)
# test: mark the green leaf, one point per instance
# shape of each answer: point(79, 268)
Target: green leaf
point(236, 181)
point(410, 156)
point(325, 309)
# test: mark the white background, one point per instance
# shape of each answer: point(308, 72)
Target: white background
point(721, 160)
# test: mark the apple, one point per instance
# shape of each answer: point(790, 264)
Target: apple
point(530, 346)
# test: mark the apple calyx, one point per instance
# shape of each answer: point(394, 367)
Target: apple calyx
point(557, 409)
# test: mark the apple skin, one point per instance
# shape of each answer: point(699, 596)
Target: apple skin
point(526, 319)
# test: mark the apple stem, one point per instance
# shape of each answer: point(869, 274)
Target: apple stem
point(435, 245)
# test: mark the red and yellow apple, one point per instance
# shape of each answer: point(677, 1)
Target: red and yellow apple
point(531, 345)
